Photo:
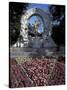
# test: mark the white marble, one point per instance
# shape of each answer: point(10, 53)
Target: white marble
point(37, 42)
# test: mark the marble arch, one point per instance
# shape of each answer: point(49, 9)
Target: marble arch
point(45, 40)
point(45, 17)
point(47, 20)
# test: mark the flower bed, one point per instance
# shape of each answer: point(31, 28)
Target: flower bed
point(36, 72)
point(39, 70)
point(18, 77)
point(58, 75)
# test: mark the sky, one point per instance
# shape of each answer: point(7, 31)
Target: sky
point(41, 6)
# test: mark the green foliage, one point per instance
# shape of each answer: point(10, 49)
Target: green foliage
point(15, 12)
point(58, 33)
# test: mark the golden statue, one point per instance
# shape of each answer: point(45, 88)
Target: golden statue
point(36, 25)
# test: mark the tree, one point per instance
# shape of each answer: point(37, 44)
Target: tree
point(15, 11)
point(58, 32)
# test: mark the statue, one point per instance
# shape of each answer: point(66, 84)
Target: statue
point(35, 26)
